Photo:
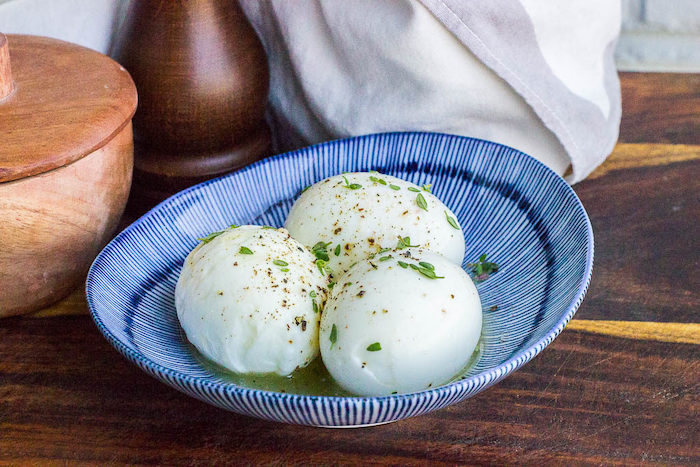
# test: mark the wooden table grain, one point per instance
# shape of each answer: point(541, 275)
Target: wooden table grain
point(620, 386)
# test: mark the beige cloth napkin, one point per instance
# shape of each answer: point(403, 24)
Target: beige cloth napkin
point(538, 76)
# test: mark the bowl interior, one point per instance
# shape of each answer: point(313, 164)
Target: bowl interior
point(511, 207)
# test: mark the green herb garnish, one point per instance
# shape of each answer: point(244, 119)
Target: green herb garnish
point(322, 255)
point(210, 237)
point(451, 220)
point(284, 269)
point(426, 269)
point(377, 180)
point(385, 258)
point(429, 273)
point(245, 251)
point(428, 187)
point(482, 269)
point(320, 246)
point(312, 294)
point(413, 189)
point(322, 266)
point(313, 303)
point(334, 335)
point(420, 201)
point(320, 250)
point(403, 265)
point(213, 235)
point(374, 347)
point(394, 187)
point(331, 284)
point(337, 250)
point(348, 283)
point(279, 262)
point(351, 186)
point(404, 242)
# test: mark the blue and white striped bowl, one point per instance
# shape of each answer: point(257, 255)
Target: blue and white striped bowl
point(511, 206)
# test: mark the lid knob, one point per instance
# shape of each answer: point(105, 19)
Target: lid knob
point(5, 70)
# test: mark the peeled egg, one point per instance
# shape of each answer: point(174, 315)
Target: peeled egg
point(249, 299)
point(354, 215)
point(403, 321)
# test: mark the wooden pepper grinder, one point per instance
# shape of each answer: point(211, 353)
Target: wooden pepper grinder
point(202, 78)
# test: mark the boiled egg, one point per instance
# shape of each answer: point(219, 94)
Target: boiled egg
point(351, 216)
point(400, 322)
point(249, 299)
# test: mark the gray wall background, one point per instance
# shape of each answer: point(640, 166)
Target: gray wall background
point(660, 35)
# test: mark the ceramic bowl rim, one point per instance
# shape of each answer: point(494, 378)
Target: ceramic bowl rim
point(490, 376)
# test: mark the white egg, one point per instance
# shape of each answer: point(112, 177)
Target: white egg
point(358, 214)
point(390, 328)
point(246, 300)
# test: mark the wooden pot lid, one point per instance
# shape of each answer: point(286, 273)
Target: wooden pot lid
point(63, 102)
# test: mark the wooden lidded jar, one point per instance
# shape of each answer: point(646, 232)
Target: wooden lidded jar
point(66, 159)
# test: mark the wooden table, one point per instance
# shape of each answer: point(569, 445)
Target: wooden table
point(620, 385)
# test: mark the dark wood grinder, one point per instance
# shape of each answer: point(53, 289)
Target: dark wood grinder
point(202, 78)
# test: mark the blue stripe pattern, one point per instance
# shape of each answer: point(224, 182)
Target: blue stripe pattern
point(510, 206)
